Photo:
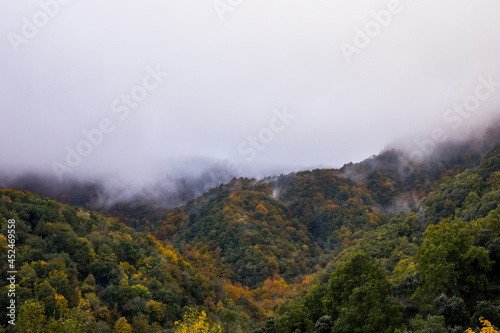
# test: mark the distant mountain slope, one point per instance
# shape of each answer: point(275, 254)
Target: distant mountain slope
point(442, 259)
point(273, 226)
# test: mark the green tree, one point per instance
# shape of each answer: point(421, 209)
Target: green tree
point(313, 302)
point(231, 321)
point(453, 310)
point(324, 324)
point(295, 319)
point(88, 285)
point(360, 298)
point(105, 272)
point(432, 324)
point(449, 261)
point(46, 296)
point(269, 327)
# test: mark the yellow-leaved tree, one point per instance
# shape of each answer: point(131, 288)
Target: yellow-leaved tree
point(122, 326)
point(195, 321)
point(487, 328)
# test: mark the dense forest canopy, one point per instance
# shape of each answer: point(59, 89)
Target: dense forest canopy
point(366, 248)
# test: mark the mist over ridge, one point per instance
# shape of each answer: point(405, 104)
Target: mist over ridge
point(192, 177)
point(171, 97)
point(132, 96)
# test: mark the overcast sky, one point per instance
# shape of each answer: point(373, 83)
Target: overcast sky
point(233, 66)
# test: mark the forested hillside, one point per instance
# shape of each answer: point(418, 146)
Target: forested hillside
point(386, 245)
point(432, 269)
point(79, 271)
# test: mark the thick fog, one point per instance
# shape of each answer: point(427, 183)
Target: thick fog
point(141, 89)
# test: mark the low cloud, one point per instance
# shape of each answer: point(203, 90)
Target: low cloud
point(65, 64)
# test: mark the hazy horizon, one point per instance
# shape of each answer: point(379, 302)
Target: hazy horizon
point(138, 91)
